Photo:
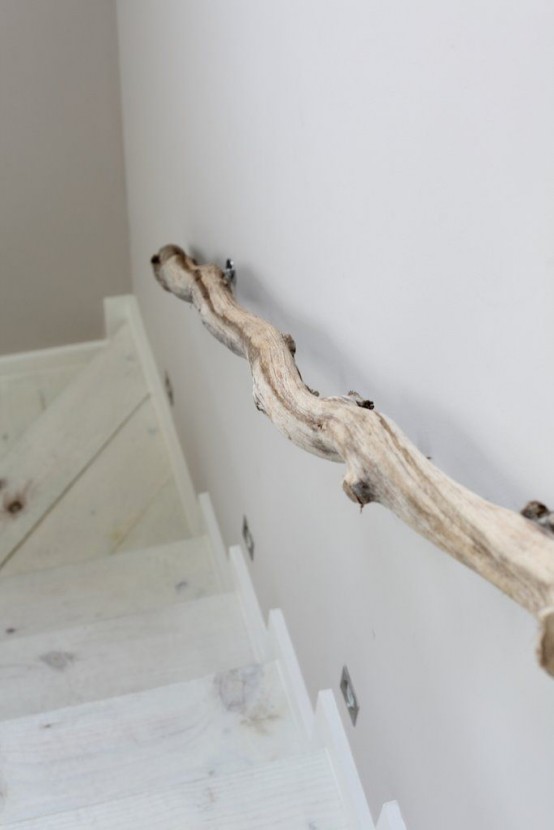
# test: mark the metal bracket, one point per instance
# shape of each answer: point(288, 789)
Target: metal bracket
point(349, 695)
point(248, 538)
point(169, 388)
point(229, 273)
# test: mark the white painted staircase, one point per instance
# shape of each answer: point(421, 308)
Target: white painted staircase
point(139, 685)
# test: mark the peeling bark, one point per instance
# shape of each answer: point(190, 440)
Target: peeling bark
point(512, 551)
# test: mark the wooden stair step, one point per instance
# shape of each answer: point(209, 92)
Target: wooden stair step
point(122, 655)
point(163, 520)
point(37, 470)
point(41, 361)
point(294, 794)
point(106, 502)
point(30, 381)
point(119, 585)
point(23, 399)
point(139, 743)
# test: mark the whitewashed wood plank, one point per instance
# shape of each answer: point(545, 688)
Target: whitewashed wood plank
point(219, 549)
point(105, 503)
point(24, 397)
point(20, 406)
point(162, 522)
point(329, 734)
point(296, 794)
point(53, 381)
point(122, 655)
point(55, 357)
point(283, 650)
point(136, 744)
point(54, 451)
point(253, 616)
point(126, 308)
point(102, 589)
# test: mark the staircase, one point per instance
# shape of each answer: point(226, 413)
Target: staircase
point(140, 686)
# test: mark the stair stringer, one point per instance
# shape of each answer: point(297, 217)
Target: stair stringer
point(391, 817)
point(220, 554)
point(125, 309)
point(271, 642)
point(322, 727)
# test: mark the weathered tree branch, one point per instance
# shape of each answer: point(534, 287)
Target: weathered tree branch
point(513, 552)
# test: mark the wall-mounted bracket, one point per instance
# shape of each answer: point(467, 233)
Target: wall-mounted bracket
point(248, 538)
point(349, 695)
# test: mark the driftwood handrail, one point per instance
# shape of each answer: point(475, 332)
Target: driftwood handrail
point(512, 551)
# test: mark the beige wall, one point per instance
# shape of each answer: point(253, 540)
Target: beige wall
point(63, 227)
point(382, 175)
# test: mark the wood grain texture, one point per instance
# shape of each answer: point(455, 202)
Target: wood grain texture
point(382, 465)
point(52, 454)
point(126, 309)
point(24, 397)
point(137, 744)
point(162, 522)
point(106, 503)
point(119, 656)
point(296, 794)
point(101, 589)
point(103, 504)
point(76, 354)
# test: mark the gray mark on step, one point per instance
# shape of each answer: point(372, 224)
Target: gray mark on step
point(237, 688)
point(58, 660)
point(242, 691)
point(182, 586)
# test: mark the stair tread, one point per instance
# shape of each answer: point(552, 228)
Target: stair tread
point(119, 585)
point(293, 794)
point(105, 503)
point(53, 452)
point(121, 704)
point(165, 737)
point(163, 520)
point(126, 654)
point(24, 397)
point(54, 358)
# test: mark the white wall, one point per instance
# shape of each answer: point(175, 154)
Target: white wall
point(382, 174)
point(63, 226)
